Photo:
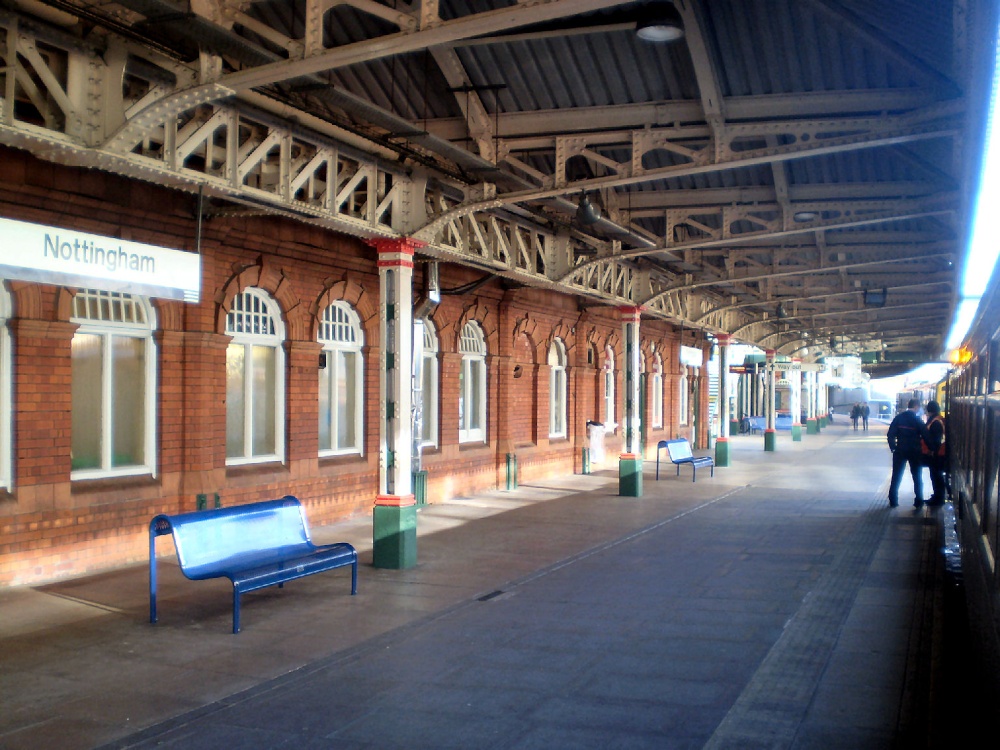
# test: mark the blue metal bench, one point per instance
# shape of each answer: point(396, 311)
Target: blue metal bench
point(679, 452)
point(254, 546)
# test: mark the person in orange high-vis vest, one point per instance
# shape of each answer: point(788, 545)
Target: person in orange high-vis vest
point(935, 452)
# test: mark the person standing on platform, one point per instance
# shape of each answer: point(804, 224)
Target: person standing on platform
point(935, 452)
point(855, 415)
point(865, 413)
point(904, 436)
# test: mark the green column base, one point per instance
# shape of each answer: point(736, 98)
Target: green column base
point(734, 427)
point(823, 422)
point(721, 452)
point(394, 533)
point(796, 433)
point(630, 476)
point(770, 440)
point(812, 427)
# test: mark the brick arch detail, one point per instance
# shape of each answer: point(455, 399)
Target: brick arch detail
point(169, 314)
point(351, 292)
point(64, 303)
point(26, 300)
point(486, 319)
point(265, 275)
point(564, 333)
point(527, 328)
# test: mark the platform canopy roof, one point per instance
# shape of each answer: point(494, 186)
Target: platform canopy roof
point(799, 174)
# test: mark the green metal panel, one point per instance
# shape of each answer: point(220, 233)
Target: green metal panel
point(394, 532)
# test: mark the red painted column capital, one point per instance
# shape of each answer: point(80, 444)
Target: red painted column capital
point(396, 251)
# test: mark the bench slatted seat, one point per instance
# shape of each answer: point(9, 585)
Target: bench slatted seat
point(679, 452)
point(254, 546)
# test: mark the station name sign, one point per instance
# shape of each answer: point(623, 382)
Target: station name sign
point(65, 257)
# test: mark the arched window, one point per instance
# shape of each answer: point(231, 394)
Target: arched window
point(472, 385)
point(114, 385)
point(657, 388)
point(429, 386)
point(255, 379)
point(609, 389)
point(682, 413)
point(6, 474)
point(341, 381)
point(557, 389)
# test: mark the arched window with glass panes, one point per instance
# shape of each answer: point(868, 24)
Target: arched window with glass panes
point(429, 387)
point(6, 432)
point(682, 407)
point(557, 389)
point(609, 389)
point(341, 381)
point(657, 389)
point(113, 420)
point(255, 379)
point(472, 385)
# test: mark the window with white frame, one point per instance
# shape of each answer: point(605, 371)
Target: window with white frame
point(429, 387)
point(113, 361)
point(683, 406)
point(657, 388)
point(341, 381)
point(6, 472)
point(609, 389)
point(472, 385)
point(255, 379)
point(557, 389)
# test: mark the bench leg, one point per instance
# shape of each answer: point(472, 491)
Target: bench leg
point(694, 472)
point(354, 577)
point(152, 578)
point(236, 610)
point(657, 466)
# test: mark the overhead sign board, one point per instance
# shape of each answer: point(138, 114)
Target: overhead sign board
point(691, 356)
point(51, 255)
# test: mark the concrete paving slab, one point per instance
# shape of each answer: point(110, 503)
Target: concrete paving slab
point(742, 610)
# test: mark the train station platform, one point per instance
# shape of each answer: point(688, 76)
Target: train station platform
point(780, 604)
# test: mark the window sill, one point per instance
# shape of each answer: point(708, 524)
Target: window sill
point(342, 459)
point(251, 469)
point(472, 446)
point(98, 484)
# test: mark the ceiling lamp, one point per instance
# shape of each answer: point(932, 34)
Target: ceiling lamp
point(876, 297)
point(804, 215)
point(659, 22)
point(587, 213)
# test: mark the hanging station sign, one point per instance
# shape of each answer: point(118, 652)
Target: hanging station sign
point(65, 257)
point(691, 356)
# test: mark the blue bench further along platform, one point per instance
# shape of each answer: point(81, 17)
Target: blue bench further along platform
point(679, 452)
point(255, 546)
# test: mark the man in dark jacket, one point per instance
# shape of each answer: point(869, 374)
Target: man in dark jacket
point(935, 452)
point(904, 436)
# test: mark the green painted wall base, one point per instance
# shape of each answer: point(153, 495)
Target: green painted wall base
point(812, 427)
point(394, 536)
point(630, 477)
point(796, 433)
point(721, 452)
point(770, 440)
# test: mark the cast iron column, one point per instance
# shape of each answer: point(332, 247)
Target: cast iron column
point(630, 463)
point(796, 377)
point(722, 442)
point(395, 514)
point(770, 438)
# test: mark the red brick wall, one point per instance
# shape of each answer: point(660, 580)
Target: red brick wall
point(52, 527)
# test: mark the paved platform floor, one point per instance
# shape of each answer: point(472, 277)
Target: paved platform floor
point(780, 604)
